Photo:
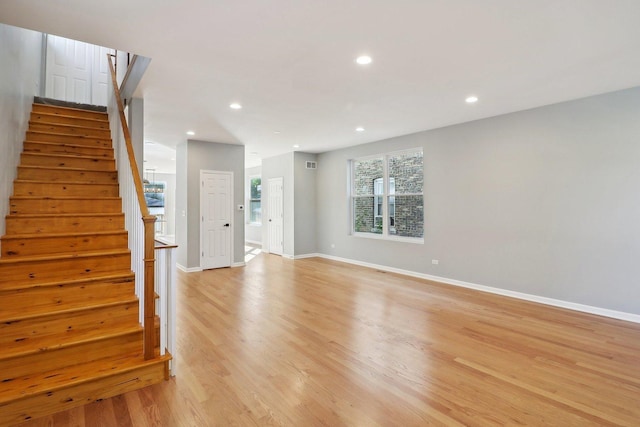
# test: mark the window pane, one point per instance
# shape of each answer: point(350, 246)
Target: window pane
point(255, 211)
point(378, 187)
point(364, 220)
point(256, 188)
point(408, 218)
point(365, 173)
point(405, 173)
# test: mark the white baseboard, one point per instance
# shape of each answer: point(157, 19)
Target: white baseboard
point(303, 256)
point(253, 242)
point(238, 264)
point(629, 317)
point(287, 256)
point(188, 270)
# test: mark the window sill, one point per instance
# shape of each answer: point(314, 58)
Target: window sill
point(414, 240)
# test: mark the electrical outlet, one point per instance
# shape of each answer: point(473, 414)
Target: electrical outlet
point(435, 261)
point(333, 246)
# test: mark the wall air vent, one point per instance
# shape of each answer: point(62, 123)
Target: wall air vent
point(312, 165)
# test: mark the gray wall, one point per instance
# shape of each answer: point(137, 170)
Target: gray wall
point(544, 201)
point(275, 167)
point(181, 205)
point(252, 232)
point(192, 157)
point(135, 122)
point(20, 72)
point(299, 191)
point(304, 193)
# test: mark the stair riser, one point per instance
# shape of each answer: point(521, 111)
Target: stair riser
point(98, 320)
point(69, 112)
point(62, 206)
point(52, 160)
point(68, 139)
point(68, 120)
point(26, 188)
point(65, 244)
point(62, 224)
point(19, 274)
point(69, 356)
point(54, 175)
point(70, 130)
point(59, 148)
point(71, 397)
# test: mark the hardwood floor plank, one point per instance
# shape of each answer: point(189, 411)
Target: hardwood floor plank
point(315, 342)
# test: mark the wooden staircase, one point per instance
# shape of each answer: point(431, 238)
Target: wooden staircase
point(69, 317)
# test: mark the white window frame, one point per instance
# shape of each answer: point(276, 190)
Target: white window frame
point(385, 235)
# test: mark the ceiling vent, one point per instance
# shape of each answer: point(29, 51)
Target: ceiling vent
point(312, 165)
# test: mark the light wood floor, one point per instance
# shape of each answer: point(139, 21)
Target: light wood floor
point(314, 342)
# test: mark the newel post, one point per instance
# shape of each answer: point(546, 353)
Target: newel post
point(149, 286)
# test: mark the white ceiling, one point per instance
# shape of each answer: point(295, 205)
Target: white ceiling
point(290, 63)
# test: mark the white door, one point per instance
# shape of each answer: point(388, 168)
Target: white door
point(100, 75)
point(76, 71)
point(216, 209)
point(276, 208)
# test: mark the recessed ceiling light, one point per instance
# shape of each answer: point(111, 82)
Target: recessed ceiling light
point(190, 133)
point(173, 158)
point(277, 132)
point(360, 129)
point(471, 99)
point(235, 106)
point(296, 146)
point(363, 60)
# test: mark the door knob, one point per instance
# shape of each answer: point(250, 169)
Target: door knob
point(226, 225)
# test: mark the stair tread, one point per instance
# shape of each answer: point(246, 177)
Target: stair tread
point(66, 144)
point(65, 168)
point(68, 105)
point(54, 116)
point(46, 343)
point(35, 311)
point(39, 181)
point(30, 385)
point(70, 234)
point(87, 280)
point(88, 254)
point(67, 215)
point(41, 132)
point(64, 197)
point(49, 331)
point(43, 123)
point(68, 156)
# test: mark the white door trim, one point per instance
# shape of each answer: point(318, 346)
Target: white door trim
point(203, 172)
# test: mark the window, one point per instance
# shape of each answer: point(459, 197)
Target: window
point(255, 203)
point(386, 196)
